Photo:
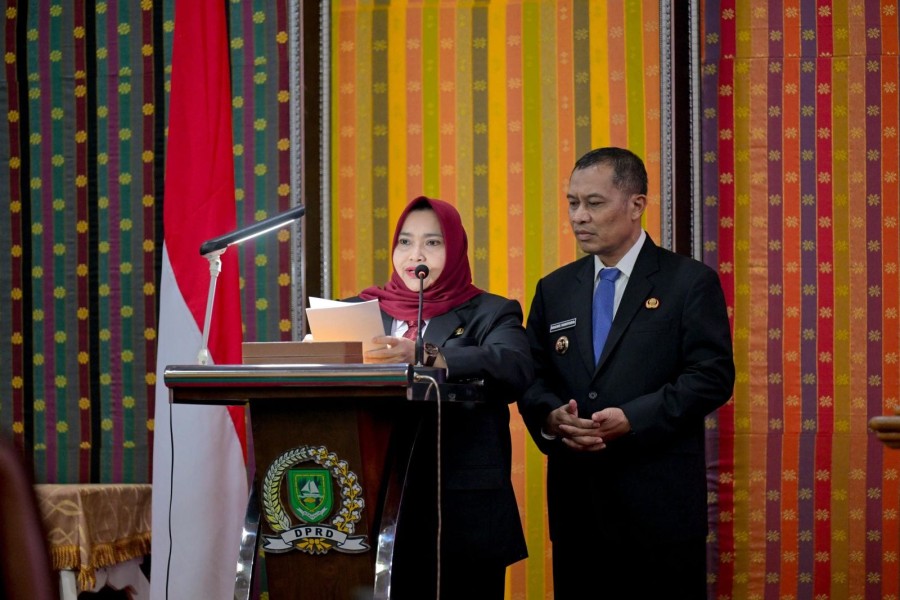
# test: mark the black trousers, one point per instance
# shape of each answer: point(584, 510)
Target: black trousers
point(461, 579)
point(612, 570)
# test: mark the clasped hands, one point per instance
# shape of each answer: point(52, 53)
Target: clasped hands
point(391, 350)
point(587, 435)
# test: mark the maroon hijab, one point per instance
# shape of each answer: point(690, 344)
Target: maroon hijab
point(454, 285)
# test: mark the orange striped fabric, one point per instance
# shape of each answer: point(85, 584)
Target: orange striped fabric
point(486, 105)
point(801, 212)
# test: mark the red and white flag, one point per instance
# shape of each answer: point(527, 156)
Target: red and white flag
point(200, 484)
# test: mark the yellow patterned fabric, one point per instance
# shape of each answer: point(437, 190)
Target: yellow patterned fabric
point(94, 526)
point(486, 105)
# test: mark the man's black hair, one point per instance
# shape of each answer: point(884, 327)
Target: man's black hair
point(629, 172)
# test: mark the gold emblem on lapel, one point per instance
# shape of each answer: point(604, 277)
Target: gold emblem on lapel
point(652, 303)
point(562, 345)
point(458, 332)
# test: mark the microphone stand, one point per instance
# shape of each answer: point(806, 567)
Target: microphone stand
point(215, 267)
point(421, 274)
point(213, 249)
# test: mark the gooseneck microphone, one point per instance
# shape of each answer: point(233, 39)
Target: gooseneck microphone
point(421, 274)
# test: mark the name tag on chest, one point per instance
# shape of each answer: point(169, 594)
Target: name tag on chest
point(568, 324)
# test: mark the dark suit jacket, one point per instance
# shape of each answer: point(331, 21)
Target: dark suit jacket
point(480, 339)
point(667, 363)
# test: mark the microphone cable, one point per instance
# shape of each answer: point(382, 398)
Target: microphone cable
point(433, 385)
point(421, 273)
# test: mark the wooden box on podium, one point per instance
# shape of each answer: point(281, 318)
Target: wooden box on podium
point(301, 353)
point(332, 444)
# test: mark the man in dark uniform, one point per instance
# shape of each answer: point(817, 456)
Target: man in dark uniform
point(632, 349)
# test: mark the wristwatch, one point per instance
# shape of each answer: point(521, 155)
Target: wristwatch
point(430, 353)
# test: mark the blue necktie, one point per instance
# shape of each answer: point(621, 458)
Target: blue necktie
point(604, 298)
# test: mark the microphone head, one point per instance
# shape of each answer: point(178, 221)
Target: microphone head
point(421, 271)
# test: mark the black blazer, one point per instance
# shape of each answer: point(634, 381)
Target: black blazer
point(480, 339)
point(667, 363)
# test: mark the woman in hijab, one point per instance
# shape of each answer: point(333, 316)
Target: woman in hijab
point(475, 336)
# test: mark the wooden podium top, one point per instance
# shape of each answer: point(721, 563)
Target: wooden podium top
point(236, 384)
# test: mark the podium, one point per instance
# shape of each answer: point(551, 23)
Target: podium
point(332, 447)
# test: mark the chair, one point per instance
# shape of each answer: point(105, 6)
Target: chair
point(25, 571)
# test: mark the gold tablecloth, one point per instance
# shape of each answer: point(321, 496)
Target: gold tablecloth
point(92, 526)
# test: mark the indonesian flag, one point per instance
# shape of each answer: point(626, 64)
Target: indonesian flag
point(200, 484)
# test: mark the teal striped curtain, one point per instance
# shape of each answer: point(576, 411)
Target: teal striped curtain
point(84, 90)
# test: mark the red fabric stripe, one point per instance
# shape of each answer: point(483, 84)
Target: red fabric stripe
point(725, 534)
point(199, 189)
point(825, 334)
point(82, 250)
point(18, 392)
point(284, 178)
point(149, 209)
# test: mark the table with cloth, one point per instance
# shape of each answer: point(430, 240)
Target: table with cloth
point(98, 535)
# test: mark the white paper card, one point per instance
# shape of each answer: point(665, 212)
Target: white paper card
point(325, 303)
point(335, 321)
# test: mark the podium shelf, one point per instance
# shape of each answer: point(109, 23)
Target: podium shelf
point(236, 384)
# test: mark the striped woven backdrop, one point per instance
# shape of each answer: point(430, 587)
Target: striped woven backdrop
point(800, 154)
point(486, 105)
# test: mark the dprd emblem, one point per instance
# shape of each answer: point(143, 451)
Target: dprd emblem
point(311, 498)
